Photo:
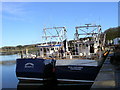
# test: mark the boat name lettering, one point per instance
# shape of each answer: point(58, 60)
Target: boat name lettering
point(75, 68)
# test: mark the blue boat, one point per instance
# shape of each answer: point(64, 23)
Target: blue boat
point(62, 62)
point(38, 69)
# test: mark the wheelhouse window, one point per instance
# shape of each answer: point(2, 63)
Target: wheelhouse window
point(41, 49)
point(47, 49)
point(52, 48)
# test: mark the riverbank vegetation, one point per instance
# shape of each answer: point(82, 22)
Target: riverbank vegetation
point(112, 33)
point(9, 50)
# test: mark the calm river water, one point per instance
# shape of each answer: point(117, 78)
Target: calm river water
point(10, 81)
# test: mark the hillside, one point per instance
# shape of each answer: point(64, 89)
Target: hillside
point(112, 33)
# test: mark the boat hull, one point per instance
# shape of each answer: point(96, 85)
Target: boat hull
point(70, 70)
point(76, 73)
point(34, 69)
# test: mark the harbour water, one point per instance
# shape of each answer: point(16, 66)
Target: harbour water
point(10, 81)
point(9, 57)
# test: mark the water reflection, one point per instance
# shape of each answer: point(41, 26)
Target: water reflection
point(7, 63)
point(35, 85)
point(9, 79)
point(9, 57)
point(52, 85)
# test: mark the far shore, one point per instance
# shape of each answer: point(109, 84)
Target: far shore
point(9, 62)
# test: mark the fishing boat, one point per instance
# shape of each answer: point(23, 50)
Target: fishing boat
point(74, 61)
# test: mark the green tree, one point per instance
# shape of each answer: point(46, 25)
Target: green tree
point(112, 33)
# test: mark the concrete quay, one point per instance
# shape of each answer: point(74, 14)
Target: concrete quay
point(108, 77)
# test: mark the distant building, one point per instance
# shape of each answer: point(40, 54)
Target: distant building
point(109, 42)
point(116, 41)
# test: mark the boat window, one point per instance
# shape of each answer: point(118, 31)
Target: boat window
point(92, 48)
point(52, 48)
point(86, 45)
point(47, 49)
point(76, 45)
point(41, 49)
point(44, 49)
point(79, 45)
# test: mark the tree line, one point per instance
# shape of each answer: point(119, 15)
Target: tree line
point(112, 33)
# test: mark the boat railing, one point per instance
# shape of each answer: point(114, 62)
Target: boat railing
point(65, 55)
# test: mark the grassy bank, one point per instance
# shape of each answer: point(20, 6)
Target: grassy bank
point(8, 51)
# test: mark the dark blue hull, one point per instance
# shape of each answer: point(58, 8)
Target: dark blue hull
point(34, 69)
point(42, 69)
point(64, 73)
